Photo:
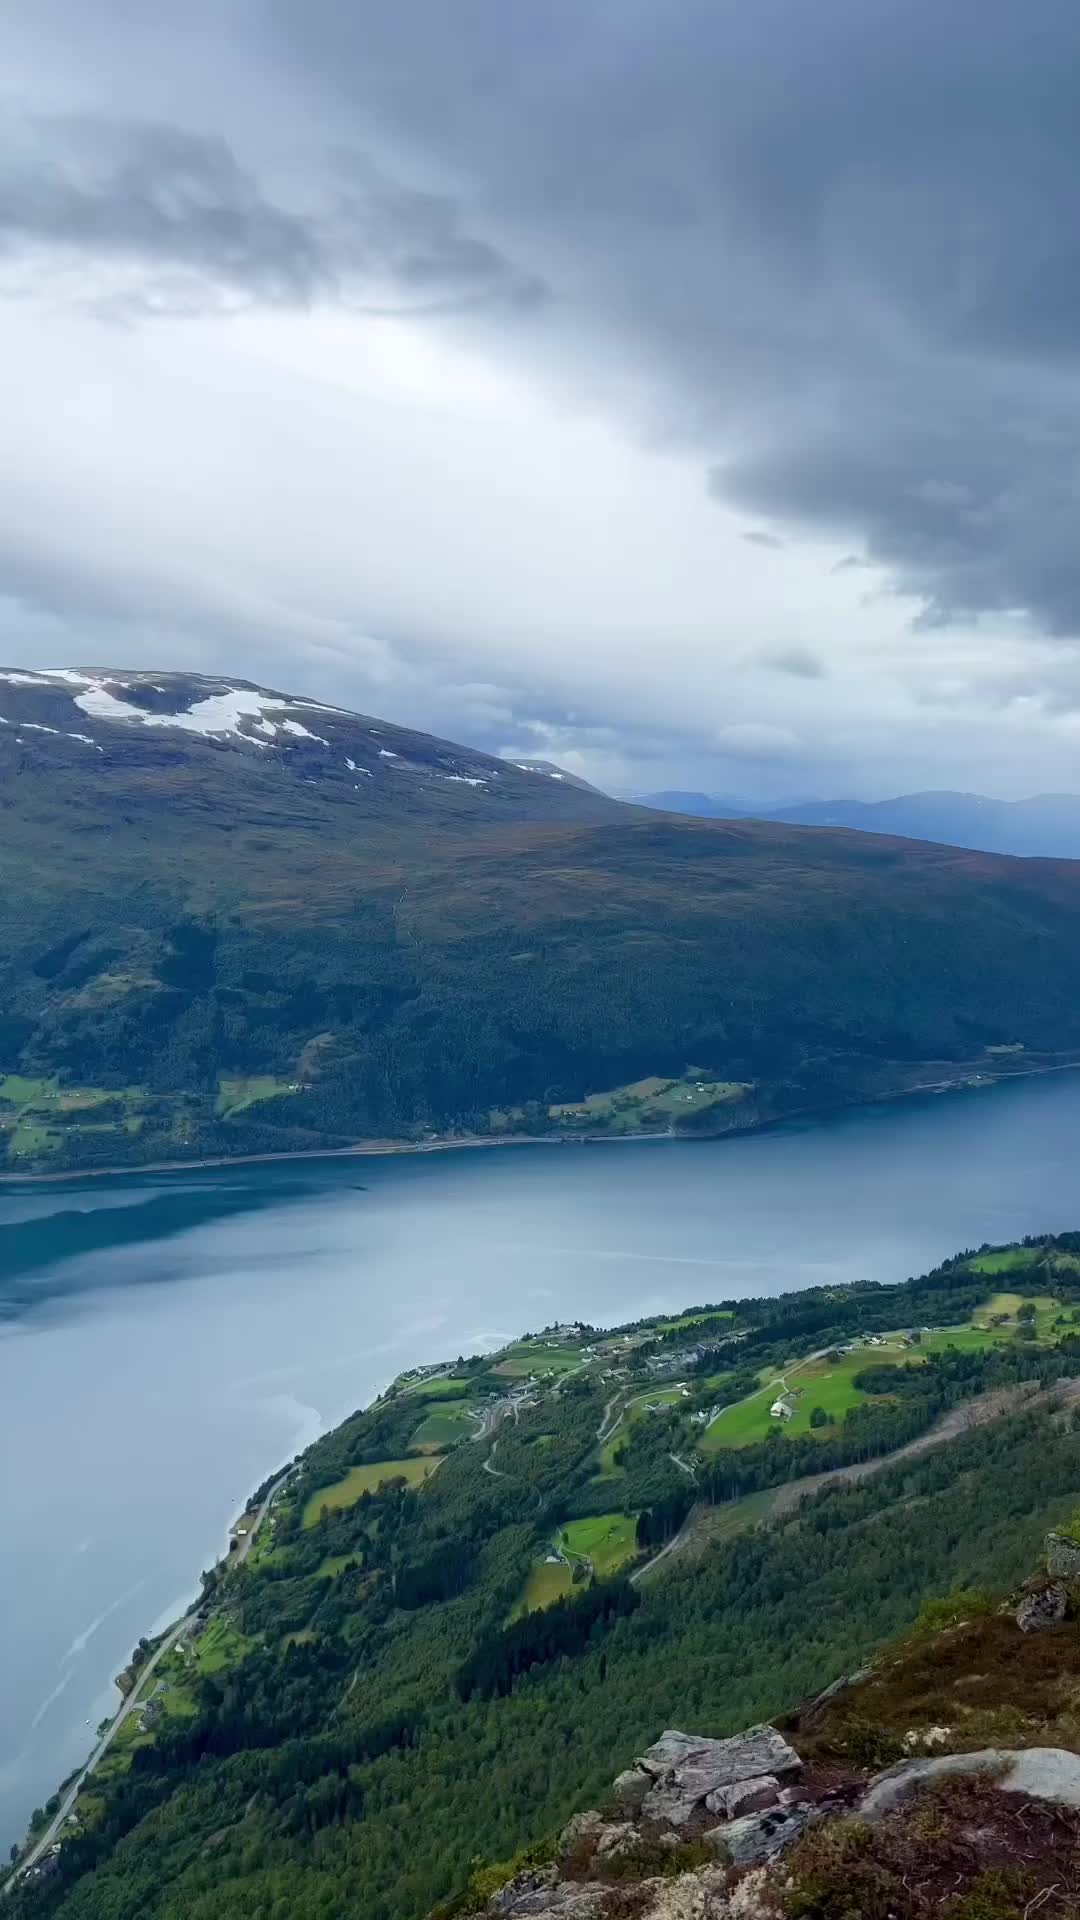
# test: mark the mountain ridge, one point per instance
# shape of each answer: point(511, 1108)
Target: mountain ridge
point(239, 922)
point(1045, 826)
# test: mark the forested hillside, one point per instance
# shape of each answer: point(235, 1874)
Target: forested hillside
point(237, 922)
point(469, 1605)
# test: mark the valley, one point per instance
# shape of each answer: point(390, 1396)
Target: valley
point(476, 1526)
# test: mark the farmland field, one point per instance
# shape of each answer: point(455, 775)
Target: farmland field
point(365, 1479)
point(651, 1102)
point(443, 1425)
point(607, 1539)
point(1006, 1260)
point(535, 1356)
point(237, 1093)
point(817, 1383)
point(440, 1387)
point(689, 1321)
point(547, 1582)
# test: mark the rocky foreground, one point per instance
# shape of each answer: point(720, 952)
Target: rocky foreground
point(800, 1823)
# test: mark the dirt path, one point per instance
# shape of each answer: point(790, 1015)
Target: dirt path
point(673, 1546)
point(966, 1418)
point(603, 1431)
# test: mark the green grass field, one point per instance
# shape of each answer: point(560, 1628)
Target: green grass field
point(1004, 1262)
point(178, 1703)
point(23, 1091)
point(443, 1426)
point(653, 1101)
point(29, 1139)
point(1047, 1308)
point(820, 1383)
point(237, 1093)
point(447, 1388)
point(30, 1104)
point(547, 1582)
point(222, 1645)
point(365, 1479)
point(607, 1539)
point(688, 1320)
point(526, 1357)
point(334, 1564)
point(971, 1338)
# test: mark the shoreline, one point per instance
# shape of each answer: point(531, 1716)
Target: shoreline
point(384, 1148)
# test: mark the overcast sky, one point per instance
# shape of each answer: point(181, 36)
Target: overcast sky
point(685, 390)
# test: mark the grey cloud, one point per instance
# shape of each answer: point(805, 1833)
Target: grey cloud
point(800, 662)
point(758, 538)
point(197, 226)
point(839, 240)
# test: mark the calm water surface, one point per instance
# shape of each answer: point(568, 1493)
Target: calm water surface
point(166, 1341)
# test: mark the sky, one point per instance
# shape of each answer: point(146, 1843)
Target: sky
point(688, 393)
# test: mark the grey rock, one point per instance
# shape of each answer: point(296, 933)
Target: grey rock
point(759, 1836)
point(583, 1827)
point(1045, 1607)
point(531, 1881)
point(897, 1784)
point(1046, 1773)
point(570, 1897)
point(1062, 1557)
point(631, 1788)
point(686, 1768)
point(540, 1892)
point(1041, 1773)
point(744, 1796)
point(816, 1707)
point(701, 1895)
point(670, 1751)
point(615, 1839)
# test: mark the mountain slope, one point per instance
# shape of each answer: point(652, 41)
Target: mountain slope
point(286, 933)
point(379, 1684)
point(1047, 825)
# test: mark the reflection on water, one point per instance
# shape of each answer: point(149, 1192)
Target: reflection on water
point(165, 1341)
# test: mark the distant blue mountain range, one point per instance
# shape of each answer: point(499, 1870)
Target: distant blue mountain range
point(1048, 824)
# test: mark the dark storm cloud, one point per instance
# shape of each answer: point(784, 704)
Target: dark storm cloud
point(155, 194)
point(839, 239)
point(179, 206)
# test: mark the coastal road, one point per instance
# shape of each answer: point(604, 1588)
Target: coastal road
point(135, 1699)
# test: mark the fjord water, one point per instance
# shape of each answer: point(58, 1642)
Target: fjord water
point(165, 1341)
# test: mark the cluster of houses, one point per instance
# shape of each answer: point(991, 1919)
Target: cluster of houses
point(657, 1363)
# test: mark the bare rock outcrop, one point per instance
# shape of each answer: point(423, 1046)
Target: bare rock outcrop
point(687, 1796)
point(1062, 1558)
point(687, 1769)
point(1044, 1606)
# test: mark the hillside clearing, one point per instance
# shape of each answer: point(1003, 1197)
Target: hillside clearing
point(365, 1479)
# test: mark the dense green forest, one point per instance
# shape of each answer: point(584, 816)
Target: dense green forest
point(208, 949)
point(412, 1672)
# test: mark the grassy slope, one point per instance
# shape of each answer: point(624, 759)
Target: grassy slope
point(734, 1635)
point(422, 957)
